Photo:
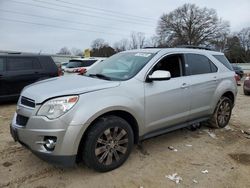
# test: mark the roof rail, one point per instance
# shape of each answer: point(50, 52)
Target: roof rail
point(194, 47)
point(150, 47)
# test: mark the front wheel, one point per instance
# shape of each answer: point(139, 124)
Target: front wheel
point(108, 143)
point(222, 113)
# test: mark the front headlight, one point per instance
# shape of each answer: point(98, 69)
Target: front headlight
point(56, 107)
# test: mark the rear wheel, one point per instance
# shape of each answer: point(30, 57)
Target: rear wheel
point(222, 113)
point(108, 144)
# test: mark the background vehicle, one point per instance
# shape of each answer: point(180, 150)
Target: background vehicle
point(81, 65)
point(238, 70)
point(64, 64)
point(18, 71)
point(246, 85)
point(130, 96)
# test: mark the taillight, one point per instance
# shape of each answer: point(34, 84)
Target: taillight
point(237, 79)
point(60, 72)
point(247, 77)
point(82, 71)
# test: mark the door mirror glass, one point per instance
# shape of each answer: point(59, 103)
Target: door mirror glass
point(159, 75)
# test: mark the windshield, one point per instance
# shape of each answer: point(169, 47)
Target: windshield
point(80, 63)
point(121, 66)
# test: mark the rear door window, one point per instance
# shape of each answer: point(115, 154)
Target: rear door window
point(199, 64)
point(22, 63)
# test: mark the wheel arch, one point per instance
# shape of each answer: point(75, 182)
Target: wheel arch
point(230, 95)
point(119, 113)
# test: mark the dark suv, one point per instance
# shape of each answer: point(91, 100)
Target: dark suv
point(19, 70)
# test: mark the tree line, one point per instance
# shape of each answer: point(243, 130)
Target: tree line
point(186, 25)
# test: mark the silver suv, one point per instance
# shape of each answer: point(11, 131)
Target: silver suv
point(131, 96)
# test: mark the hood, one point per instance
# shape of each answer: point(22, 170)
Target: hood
point(65, 85)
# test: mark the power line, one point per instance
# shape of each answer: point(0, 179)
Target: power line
point(61, 27)
point(58, 19)
point(81, 9)
point(74, 12)
point(109, 12)
point(106, 10)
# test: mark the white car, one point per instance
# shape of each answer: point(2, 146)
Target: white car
point(81, 65)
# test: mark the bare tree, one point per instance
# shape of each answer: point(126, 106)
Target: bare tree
point(76, 51)
point(122, 45)
point(133, 41)
point(137, 40)
point(152, 42)
point(64, 51)
point(244, 37)
point(98, 43)
point(190, 25)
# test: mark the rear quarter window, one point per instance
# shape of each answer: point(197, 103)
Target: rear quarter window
point(224, 61)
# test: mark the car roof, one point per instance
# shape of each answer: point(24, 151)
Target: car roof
point(22, 55)
point(169, 50)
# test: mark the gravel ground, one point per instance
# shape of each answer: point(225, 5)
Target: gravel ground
point(224, 153)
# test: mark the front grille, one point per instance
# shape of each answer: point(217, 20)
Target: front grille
point(28, 102)
point(21, 120)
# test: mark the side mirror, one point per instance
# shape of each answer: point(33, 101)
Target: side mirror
point(159, 75)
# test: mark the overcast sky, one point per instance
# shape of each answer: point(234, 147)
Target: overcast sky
point(48, 25)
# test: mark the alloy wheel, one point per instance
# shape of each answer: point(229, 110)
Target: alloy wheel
point(111, 145)
point(224, 112)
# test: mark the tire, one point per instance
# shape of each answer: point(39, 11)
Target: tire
point(221, 114)
point(102, 150)
point(246, 92)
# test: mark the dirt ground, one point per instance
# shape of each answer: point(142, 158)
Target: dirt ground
point(224, 153)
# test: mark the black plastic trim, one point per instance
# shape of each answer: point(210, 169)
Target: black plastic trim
point(168, 129)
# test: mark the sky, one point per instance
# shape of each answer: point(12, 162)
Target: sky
point(48, 25)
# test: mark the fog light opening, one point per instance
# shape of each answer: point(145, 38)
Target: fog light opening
point(50, 142)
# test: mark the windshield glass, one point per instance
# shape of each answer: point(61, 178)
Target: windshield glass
point(121, 66)
point(80, 63)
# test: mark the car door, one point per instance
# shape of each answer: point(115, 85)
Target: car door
point(4, 88)
point(21, 71)
point(167, 102)
point(203, 76)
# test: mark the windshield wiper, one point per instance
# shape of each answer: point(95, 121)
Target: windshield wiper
point(102, 76)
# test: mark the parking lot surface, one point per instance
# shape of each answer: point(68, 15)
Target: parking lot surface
point(201, 158)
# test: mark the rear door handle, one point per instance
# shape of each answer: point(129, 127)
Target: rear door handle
point(215, 78)
point(184, 85)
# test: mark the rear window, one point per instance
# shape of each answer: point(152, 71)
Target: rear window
point(80, 63)
point(224, 61)
point(19, 64)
